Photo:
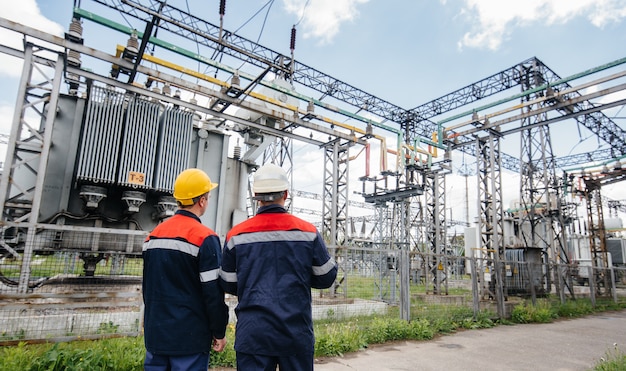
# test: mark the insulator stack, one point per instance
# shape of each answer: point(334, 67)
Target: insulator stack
point(167, 89)
point(75, 34)
point(73, 58)
point(76, 29)
point(237, 152)
point(133, 43)
point(292, 44)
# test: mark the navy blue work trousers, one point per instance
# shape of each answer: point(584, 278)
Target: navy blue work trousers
point(256, 362)
point(191, 362)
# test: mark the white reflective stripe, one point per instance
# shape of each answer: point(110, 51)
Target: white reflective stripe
point(270, 236)
point(171, 244)
point(209, 276)
point(322, 270)
point(228, 276)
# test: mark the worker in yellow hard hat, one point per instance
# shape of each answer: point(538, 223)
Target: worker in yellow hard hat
point(271, 261)
point(185, 314)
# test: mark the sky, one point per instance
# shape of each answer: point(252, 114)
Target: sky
point(405, 52)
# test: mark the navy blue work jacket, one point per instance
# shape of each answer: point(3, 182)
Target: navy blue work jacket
point(271, 261)
point(184, 303)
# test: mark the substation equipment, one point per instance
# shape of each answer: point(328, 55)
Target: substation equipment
point(93, 151)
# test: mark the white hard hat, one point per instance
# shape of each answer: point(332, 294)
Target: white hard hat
point(270, 178)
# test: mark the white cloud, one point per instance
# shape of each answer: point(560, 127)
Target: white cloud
point(9, 66)
point(29, 14)
point(494, 20)
point(607, 11)
point(323, 18)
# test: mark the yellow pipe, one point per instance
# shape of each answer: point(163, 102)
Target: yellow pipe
point(434, 148)
point(410, 148)
point(175, 67)
point(415, 149)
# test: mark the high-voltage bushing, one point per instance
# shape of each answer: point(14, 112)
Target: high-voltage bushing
point(166, 207)
point(75, 34)
point(134, 200)
point(92, 195)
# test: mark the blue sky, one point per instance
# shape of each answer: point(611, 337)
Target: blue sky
point(406, 52)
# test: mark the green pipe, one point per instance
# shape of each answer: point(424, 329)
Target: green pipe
point(590, 166)
point(534, 90)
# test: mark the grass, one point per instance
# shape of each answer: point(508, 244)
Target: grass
point(333, 337)
point(613, 360)
point(109, 354)
point(69, 263)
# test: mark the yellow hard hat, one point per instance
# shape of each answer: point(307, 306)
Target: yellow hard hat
point(190, 184)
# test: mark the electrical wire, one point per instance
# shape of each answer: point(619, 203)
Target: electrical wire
point(195, 37)
point(127, 21)
point(269, 3)
point(303, 12)
point(618, 112)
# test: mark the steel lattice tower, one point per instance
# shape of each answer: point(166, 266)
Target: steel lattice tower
point(29, 146)
point(490, 222)
point(538, 190)
point(435, 196)
point(335, 201)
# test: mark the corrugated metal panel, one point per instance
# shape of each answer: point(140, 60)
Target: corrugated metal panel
point(133, 142)
point(139, 145)
point(174, 146)
point(99, 147)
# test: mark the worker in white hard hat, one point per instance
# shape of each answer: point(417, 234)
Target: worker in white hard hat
point(185, 314)
point(271, 261)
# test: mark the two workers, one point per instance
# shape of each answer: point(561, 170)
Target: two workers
point(270, 262)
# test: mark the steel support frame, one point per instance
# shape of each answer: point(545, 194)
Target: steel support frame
point(597, 240)
point(562, 212)
point(417, 225)
point(335, 203)
point(280, 152)
point(29, 146)
point(435, 200)
point(539, 194)
point(401, 243)
point(335, 192)
point(535, 198)
point(382, 235)
point(490, 220)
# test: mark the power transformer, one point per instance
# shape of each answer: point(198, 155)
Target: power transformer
point(112, 164)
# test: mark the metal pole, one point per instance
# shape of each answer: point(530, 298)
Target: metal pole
point(475, 290)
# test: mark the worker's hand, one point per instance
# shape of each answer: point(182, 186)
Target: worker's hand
point(219, 344)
